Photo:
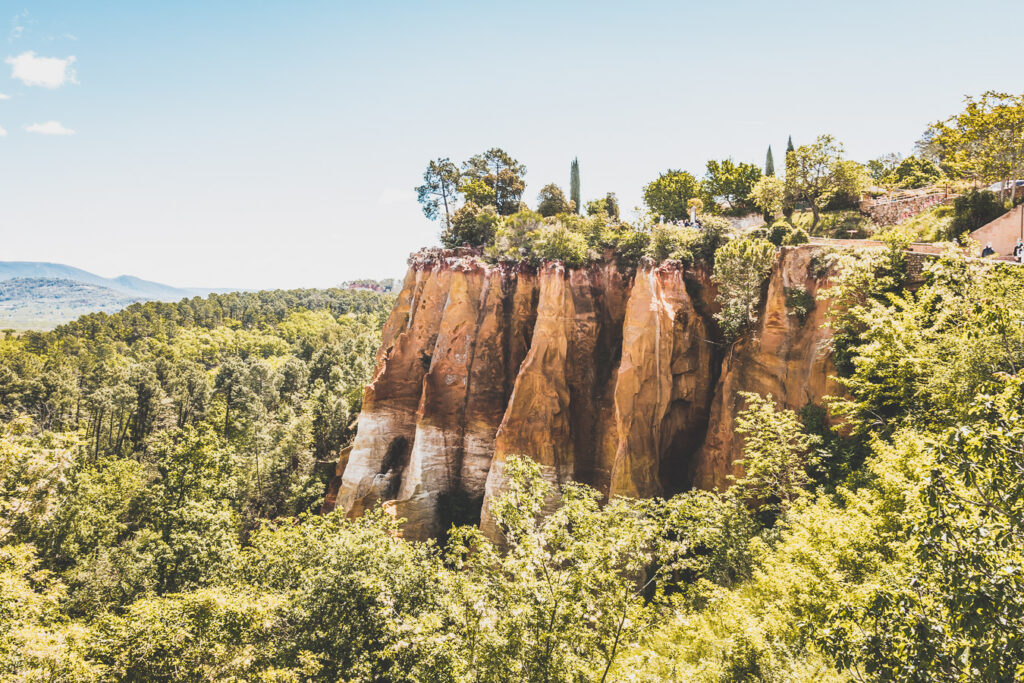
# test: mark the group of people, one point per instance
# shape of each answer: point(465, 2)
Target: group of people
point(1018, 251)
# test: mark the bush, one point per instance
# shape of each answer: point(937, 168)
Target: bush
point(472, 225)
point(631, 245)
point(740, 268)
point(671, 241)
point(781, 234)
point(799, 302)
point(794, 237)
point(558, 243)
point(551, 201)
point(975, 209)
point(609, 205)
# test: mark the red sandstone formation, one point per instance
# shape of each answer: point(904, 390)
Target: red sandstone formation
point(611, 377)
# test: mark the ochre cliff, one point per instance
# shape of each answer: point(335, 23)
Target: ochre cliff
point(612, 377)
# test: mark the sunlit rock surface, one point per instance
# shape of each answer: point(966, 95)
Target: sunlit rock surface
point(610, 376)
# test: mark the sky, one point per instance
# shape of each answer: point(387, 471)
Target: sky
point(277, 144)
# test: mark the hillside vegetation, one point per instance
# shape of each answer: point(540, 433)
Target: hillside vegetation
point(162, 469)
point(159, 479)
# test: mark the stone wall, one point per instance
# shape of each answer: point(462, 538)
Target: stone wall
point(893, 212)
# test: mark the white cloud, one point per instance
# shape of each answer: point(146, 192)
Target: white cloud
point(3, 132)
point(46, 72)
point(49, 128)
point(4, 97)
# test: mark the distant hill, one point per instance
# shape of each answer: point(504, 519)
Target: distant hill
point(127, 285)
point(41, 303)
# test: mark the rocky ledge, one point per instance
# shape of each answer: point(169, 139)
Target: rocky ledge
point(614, 377)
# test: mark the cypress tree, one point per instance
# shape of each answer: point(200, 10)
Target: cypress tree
point(574, 184)
point(769, 163)
point(787, 205)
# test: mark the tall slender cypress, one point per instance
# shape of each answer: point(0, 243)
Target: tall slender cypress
point(789, 145)
point(769, 163)
point(574, 184)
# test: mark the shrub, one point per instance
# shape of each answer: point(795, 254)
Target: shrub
point(670, 241)
point(551, 201)
point(558, 243)
point(712, 235)
point(471, 225)
point(609, 205)
point(794, 237)
point(631, 245)
point(975, 209)
point(799, 302)
point(740, 267)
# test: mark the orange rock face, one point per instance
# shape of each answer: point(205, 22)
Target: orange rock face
point(609, 377)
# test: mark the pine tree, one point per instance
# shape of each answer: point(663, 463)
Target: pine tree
point(574, 184)
point(769, 163)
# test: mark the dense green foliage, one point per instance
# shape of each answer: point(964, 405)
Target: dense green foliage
point(974, 209)
point(161, 470)
point(913, 172)
point(740, 270)
point(669, 194)
point(732, 183)
point(157, 472)
point(984, 141)
point(817, 175)
point(608, 205)
point(551, 201)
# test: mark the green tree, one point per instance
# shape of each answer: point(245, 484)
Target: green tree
point(776, 454)
point(472, 225)
point(521, 606)
point(609, 205)
point(957, 611)
point(731, 182)
point(440, 190)
point(769, 194)
point(494, 178)
point(974, 209)
point(667, 196)
point(913, 172)
point(551, 201)
point(574, 186)
point(815, 174)
point(879, 168)
point(984, 141)
point(740, 269)
point(769, 163)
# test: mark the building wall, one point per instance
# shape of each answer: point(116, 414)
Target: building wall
point(1003, 232)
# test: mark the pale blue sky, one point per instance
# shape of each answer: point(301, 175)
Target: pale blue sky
point(275, 144)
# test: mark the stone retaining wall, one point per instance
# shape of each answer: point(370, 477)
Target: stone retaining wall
point(898, 210)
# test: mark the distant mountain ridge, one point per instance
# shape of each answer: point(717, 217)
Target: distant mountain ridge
point(42, 303)
point(128, 285)
point(41, 295)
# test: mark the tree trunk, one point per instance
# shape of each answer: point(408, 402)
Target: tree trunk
point(817, 215)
